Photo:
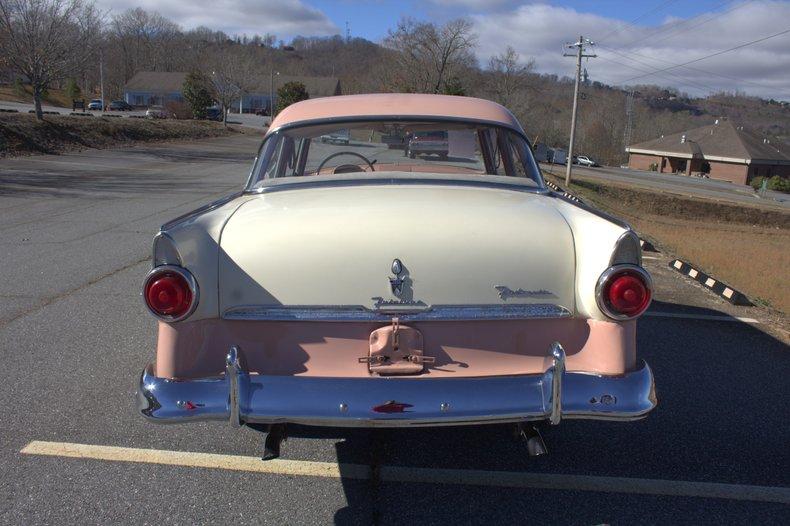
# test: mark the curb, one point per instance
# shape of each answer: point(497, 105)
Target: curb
point(563, 192)
point(647, 246)
point(717, 287)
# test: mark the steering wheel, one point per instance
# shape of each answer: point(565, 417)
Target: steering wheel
point(336, 154)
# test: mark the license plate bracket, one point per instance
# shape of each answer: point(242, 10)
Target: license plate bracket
point(396, 350)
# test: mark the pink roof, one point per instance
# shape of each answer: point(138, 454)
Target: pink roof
point(396, 105)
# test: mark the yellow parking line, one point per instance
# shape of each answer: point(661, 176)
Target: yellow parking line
point(506, 479)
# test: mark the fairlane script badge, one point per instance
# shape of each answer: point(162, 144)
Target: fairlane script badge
point(506, 293)
point(400, 285)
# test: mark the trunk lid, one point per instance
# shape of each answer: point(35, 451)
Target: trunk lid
point(456, 245)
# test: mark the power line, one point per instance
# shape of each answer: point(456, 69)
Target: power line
point(631, 23)
point(686, 67)
point(709, 56)
point(676, 80)
point(715, 15)
point(681, 26)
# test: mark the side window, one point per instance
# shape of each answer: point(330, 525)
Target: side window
point(518, 153)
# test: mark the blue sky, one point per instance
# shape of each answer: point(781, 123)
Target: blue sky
point(636, 38)
point(371, 19)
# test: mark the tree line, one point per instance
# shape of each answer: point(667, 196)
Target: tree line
point(60, 43)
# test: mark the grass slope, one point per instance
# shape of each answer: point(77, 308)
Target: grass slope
point(746, 247)
point(23, 134)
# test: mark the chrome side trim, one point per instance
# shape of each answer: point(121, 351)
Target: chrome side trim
point(557, 375)
point(599, 299)
point(362, 314)
point(620, 254)
point(193, 287)
point(164, 251)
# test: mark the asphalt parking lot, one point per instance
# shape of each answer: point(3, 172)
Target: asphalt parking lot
point(74, 335)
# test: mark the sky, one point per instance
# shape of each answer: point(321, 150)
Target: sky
point(634, 38)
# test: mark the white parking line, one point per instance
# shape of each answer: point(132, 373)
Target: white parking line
point(711, 317)
point(504, 479)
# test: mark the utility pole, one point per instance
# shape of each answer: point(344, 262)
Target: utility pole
point(579, 56)
point(101, 78)
point(629, 119)
point(271, 92)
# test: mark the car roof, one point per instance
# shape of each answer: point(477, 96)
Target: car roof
point(395, 105)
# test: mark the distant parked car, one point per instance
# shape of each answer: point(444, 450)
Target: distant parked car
point(157, 112)
point(214, 114)
point(394, 140)
point(263, 112)
point(427, 143)
point(120, 105)
point(96, 104)
point(337, 137)
point(583, 160)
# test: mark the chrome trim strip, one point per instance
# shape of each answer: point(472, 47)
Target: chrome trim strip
point(599, 299)
point(233, 370)
point(406, 314)
point(381, 181)
point(193, 287)
point(557, 375)
point(634, 237)
point(349, 402)
point(159, 251)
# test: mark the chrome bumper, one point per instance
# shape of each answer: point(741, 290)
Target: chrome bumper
point(240, 398)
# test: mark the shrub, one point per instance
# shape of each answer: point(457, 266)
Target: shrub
point(72, 89)
point(197, 94)
point(290, 93)
point(178, 109)
point(776, 183)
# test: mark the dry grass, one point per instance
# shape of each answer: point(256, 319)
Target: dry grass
point(22, 134)
point(55, 97)
point(746, 247)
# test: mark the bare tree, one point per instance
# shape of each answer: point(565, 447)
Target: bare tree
point(145, 41)
point(427, 55)
point(508, 77)
point(45, 40)
point(230, 77)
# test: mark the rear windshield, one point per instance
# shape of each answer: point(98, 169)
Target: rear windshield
point(421, 146)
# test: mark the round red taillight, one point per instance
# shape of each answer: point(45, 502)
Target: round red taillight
point(624, 292)
point(170, 292)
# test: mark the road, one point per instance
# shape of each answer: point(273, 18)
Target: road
point(246, 119)
point(74, 335)
point(677, 184)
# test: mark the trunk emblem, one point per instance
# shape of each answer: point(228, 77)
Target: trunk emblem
point(396, 283)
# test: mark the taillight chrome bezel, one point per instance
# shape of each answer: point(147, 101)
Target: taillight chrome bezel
point(607, 275)
point(191, 282)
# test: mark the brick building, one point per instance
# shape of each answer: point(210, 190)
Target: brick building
point(721, 150)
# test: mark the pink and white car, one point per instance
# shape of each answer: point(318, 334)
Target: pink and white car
point(351, 285)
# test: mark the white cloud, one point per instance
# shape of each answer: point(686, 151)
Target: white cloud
point(540, 30)
point(283, 18)
point(476, 5)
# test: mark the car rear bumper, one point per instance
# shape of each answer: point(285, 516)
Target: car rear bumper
point(239, 397)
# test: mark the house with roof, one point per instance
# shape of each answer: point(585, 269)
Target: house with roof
point(722, 150)
point(157, 88)
point(154, 88)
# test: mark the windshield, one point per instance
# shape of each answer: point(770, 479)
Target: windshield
point(422, 146)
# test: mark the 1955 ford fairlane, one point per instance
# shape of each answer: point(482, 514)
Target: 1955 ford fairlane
point(360, 285)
